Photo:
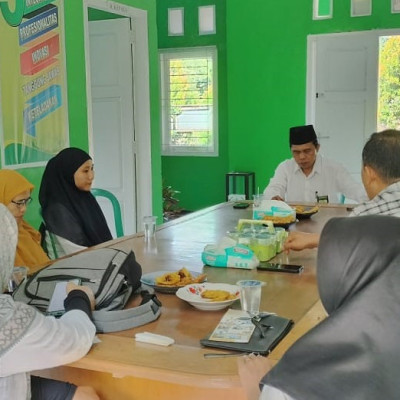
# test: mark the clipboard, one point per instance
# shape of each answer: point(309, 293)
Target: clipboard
point(270, 330)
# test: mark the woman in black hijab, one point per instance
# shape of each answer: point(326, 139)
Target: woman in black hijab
point(69, 209)
point(354, 353)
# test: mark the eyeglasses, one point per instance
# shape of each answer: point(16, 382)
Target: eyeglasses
point(23, 202)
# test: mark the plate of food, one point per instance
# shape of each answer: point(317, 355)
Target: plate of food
point(303, 212)
point(283, 222)
point(209, 296)
point(171, 281)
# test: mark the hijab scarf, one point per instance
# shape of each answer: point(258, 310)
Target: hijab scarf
point(29, 251)
point(58, 187)
point(15, 318)
point(355, 352)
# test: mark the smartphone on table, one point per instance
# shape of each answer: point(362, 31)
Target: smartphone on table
point(278, 267)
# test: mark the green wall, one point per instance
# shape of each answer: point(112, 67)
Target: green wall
point(262, 51)
point(77, 109)
point(199, 179)
point(263, 82)
point(267, 56)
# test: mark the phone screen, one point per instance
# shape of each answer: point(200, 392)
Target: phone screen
point(281, 267)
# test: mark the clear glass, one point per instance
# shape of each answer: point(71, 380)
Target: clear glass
point(250, 296)
point(18, 275)
point(149, 226)
point(257, 199)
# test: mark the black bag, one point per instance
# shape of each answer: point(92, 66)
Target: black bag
point(112, 274)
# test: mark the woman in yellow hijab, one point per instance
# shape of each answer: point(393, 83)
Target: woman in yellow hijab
point(15, 194)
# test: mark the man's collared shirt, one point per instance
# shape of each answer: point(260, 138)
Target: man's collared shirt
point(387, 202)
point(328, 178)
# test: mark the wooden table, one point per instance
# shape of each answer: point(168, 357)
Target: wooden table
point(119, 368)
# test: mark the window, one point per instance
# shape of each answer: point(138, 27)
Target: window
point(361, 8)
point(175, 21)
point(322, 9)
point(395, 6)
point(207, 20)
point(189, 101)
point(389, 83)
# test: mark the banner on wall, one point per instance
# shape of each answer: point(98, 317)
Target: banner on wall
point(33, 90)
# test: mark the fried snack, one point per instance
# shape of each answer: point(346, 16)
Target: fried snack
point(169, 279)
point(280, 220)
point(306, 209)
point(217, 295)
point(182, 277)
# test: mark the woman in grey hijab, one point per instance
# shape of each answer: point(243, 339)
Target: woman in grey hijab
point(31, 341)
point(354, 353)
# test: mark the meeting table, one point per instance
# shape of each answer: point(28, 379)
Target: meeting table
point(120, 368)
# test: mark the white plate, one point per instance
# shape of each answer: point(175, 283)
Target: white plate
point(192, 294)
point(149, 279)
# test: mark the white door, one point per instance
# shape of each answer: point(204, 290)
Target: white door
point(113, 116)
point(342, 94)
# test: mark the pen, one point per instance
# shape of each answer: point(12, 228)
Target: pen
point(222, 355)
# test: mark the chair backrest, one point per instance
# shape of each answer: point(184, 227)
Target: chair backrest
point(48, 241)
point(119, 230)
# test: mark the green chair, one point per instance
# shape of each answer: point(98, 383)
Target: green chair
point(119, 230)
point(48, 241)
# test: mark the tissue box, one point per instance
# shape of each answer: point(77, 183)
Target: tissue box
point(236, 256)
point(266, 209)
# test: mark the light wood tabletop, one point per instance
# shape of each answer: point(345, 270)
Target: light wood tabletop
point(120, 368)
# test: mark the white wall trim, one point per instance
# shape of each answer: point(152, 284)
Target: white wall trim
point(141, 97)
point(311, 64)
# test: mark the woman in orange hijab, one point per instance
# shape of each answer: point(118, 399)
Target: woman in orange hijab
point(15, 194)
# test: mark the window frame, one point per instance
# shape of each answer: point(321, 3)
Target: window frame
point(317, 15)
point(167, 149)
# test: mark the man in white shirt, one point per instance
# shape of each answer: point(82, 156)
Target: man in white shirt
point(381, 178)
point(309, 177)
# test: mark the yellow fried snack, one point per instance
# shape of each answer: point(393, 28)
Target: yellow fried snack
point(182, 277)
point(306, 210)
point(280, 220)
point(217, 295)
point(169, 279)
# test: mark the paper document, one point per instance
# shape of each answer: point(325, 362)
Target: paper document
point(235, 326)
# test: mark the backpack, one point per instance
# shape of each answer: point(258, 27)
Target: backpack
point(112, 274)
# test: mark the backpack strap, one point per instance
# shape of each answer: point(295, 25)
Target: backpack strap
point(118, 320)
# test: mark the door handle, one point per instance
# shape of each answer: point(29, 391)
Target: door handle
point(318, 95)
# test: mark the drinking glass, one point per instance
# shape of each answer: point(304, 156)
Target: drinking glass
point(18, 275)
point(149, 226)
point(250, 296)
point(257, 199)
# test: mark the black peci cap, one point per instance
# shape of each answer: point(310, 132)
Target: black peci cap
point(302, 134)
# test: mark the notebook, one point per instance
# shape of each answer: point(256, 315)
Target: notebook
point(237, 331)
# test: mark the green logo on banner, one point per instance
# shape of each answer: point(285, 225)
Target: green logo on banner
point(14, 17)
point(22, 7)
